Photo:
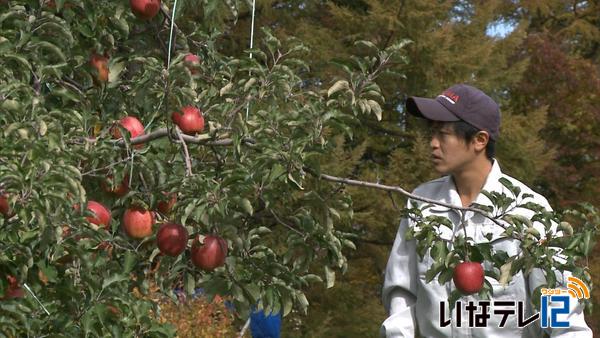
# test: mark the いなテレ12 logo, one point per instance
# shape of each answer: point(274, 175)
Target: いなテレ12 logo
point(556, 302)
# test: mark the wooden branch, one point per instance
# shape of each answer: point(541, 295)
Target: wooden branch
point(203, 139)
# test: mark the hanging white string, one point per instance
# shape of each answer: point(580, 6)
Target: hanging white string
point(39, 302)
point(251, 45)
point(171, 34)
point(252, 26)
point(247, 324)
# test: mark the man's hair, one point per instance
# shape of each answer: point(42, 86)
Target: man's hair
point(467, 132)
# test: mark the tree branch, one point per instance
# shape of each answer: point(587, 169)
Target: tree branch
point(401, 191)
point(203, 139)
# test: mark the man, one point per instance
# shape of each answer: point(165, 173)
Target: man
point(465, 125)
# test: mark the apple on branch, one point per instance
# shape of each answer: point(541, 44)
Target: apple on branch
point(172, 239)
point(145, 9)
point(4, 207)
point(165, 206)
point(118, 190)
point(131, 124)
point(100, 64)
point(468, 277)
point(138, 222)
point(13, 290)
point(192, 61)
point(101, 213)
point(209, 253)
point(189, 120)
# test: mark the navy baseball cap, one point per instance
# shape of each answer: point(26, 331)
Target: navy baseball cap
point(459, 102)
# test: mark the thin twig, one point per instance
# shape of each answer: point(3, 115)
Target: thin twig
point(106, 167)
point(280, 221)
point(188, 161)
point(393, 201)
point(168, 17)
point(36, 83)
point(73, 84)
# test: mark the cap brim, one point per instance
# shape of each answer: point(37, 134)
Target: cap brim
point(430, 109)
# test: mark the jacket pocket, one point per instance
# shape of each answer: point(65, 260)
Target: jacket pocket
point(513, 290)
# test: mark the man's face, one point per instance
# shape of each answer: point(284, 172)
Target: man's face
point(449, 152)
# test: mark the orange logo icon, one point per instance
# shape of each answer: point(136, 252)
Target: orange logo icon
point(577, 288)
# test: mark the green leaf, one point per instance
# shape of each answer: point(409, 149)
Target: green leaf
point(286, 300)
point(247, 206)
point(253, 290)
point(445, 276)
point(293, 180)
point(190, 284)
point(433, 271)
point(116, 278)
point(129, 262)
point(455, 295)
point(114, 72)
point(45, 45)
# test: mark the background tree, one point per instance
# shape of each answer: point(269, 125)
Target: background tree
point(450, 42)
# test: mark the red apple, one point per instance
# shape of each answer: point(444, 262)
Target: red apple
point(13, 290)
point(119, 190)
point(165, 206)
point(192, 62)
point(191, 121)
point(145, 9)
point(113, 310)
point(468, 277)
point(101, 64)
point(102, 214)
point(209, 254)
point(133, 125)
point(14, 293)
point(171, 239)
point(137, 222)
point(4, 207)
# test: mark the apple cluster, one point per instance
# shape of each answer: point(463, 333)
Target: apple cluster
point(207, 252)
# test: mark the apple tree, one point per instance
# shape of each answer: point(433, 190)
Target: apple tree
point(117, 122)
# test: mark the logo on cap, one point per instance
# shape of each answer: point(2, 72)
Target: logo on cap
point(450, 96)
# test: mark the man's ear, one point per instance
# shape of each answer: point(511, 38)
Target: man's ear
point(481, 140)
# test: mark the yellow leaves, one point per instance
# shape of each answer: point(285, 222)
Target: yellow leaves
point(339, 85)
point(505, 275)
point(198, 317)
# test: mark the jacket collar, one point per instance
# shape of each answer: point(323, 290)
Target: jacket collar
point(491, 184)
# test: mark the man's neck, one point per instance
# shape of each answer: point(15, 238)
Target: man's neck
point(470, 180)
